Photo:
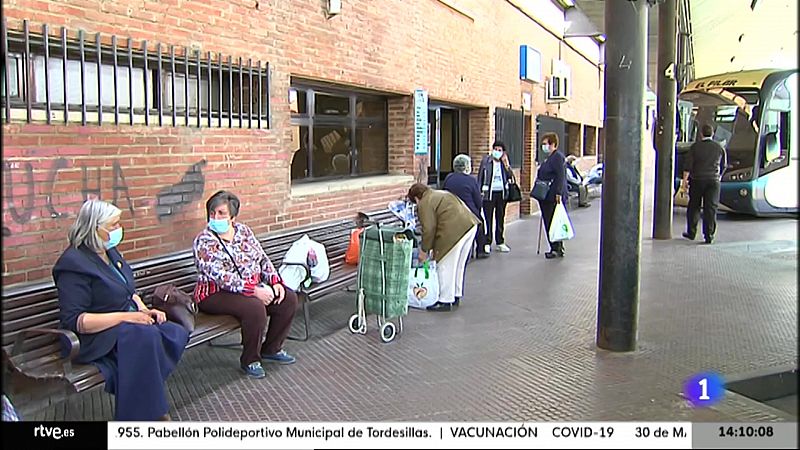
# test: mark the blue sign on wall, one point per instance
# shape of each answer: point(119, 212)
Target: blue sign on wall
point(530, 64)
point(420, 122)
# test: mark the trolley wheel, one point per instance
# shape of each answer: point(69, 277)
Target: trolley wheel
point(355, 324)
point(388, 332)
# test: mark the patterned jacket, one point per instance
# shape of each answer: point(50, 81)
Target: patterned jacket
point(217, 271)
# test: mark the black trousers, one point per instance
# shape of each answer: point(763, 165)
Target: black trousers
point(480, 237)
point(548, 209)
point(707, 192)
point(495, 212)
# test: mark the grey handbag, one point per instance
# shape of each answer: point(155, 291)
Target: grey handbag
point(540, 189)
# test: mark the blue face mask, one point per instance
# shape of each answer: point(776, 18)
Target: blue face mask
point(497, 154)
point(114, 238)
point(219, 225)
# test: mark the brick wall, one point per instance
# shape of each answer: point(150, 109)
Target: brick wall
point(161, 176)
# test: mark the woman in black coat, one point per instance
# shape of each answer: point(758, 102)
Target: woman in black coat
point(554, 171)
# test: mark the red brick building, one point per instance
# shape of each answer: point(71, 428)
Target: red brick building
point(326, 129)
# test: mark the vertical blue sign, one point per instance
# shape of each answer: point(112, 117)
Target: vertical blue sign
point(420, 122)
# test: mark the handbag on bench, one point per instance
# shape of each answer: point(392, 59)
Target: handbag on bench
point(176, 304)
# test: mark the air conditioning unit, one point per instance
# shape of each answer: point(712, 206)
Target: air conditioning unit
point(558, 89)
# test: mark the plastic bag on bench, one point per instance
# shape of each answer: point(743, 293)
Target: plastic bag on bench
point(404, 210)
point(307, 252)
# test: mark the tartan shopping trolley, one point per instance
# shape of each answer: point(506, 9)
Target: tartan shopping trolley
point(382, 287)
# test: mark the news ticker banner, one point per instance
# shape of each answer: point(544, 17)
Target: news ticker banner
point(288, 435)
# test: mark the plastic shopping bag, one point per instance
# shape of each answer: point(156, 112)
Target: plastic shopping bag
point(423, 286)
point(561, 227)
point(354, 247)
point(309, 253)
point(404, 210)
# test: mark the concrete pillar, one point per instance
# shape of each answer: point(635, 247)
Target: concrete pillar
point(621, 214)
point(665, 126)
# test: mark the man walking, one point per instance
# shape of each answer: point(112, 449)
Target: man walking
point(705, 164)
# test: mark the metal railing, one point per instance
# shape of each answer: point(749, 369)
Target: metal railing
point(49, 78)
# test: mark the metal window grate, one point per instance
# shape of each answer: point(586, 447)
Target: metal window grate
point(101, 79)
point(509, 127)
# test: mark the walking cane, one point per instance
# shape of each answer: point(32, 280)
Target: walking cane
point(539, 243)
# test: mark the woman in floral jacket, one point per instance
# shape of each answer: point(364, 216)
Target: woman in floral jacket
point(237, 278)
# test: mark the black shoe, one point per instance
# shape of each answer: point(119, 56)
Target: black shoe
point(457, 302)
point(551, 255)
point(481, 255)
point(688, 236)
point(439, 306)
point(585, 205)
point(709, 239)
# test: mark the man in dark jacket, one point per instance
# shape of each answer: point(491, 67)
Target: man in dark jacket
point(493, 176)
point(465, 186)
point(703, 168)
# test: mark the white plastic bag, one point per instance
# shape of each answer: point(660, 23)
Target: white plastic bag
point(423, 286)
point(561, 227)
point(307, 252)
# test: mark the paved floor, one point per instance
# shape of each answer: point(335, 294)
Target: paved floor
point(521, 346)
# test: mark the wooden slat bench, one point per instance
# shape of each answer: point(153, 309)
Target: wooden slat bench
point(32, 343)
point(335, 236)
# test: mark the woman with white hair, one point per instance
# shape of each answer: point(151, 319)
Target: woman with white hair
point(134, 347)
point(464, 186)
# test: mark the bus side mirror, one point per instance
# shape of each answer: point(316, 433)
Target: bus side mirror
point(773, 148)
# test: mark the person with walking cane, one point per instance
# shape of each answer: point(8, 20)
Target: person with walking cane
point(553, 173)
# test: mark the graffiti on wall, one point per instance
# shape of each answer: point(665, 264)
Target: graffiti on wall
point(22, 212)
point(20, 187)
point(173, 199)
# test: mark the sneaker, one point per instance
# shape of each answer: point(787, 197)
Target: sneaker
point(487, 249)
point(281, 358)
point(254, 370)
point(503, 248)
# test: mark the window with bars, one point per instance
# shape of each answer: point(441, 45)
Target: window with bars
point(509, 126)
point(87, 79)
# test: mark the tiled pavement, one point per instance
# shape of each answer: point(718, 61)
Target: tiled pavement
point(521, 346)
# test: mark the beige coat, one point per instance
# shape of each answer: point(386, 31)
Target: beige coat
point(445, 219)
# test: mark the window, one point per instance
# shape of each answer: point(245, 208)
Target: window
point(337, 134)
point(82, 79)
point(776, 128)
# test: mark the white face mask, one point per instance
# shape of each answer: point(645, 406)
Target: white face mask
point(545, 148)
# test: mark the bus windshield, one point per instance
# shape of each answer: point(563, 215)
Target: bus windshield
point(734, 116)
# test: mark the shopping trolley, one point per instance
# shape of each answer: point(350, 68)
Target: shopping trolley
point(382, 287)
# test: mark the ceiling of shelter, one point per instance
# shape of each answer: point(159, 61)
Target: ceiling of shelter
point(727, 35)
point(734, 37)
point(595, 11)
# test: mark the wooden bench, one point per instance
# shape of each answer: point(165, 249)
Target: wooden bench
point(335, 236)
point(32, 341)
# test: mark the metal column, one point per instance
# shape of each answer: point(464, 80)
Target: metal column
point(621, 215)
point(665, 137)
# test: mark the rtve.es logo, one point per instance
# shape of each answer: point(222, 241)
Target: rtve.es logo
point(53, 432)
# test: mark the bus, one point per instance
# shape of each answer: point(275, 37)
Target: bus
point(754, 115)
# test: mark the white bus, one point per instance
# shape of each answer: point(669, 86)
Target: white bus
point(754, 114)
